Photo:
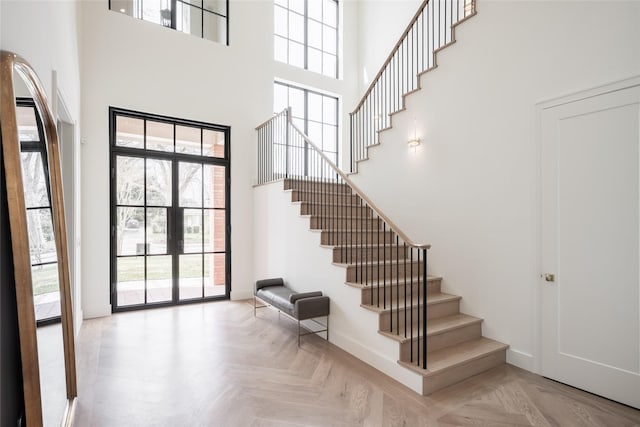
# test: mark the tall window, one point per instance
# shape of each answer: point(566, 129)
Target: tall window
point(208, 19)
point(306, 34)
point(314, 113)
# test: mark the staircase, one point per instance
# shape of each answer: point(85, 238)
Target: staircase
point(435, 340)
point(390, 285)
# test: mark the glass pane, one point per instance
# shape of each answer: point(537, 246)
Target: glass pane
point(130, 286)
point(218, 6)
point(296, 27)
point(159, 136)
point(213, 143)
point(27, 126)
point(329, 138)
point(330, 12)
point(159, 275)
point(214, 227)
point(314, 34)
point(314, 106)
point(46, 291)
point(282, 3)
point(42, 245)
point(193, 2)
point(35, 184)
point(314, 60)
point(129, 132)
point(130, 178)
point(214, 274)
point(190, 276)
point(190, 184)
point(187, 140)
point(214, 186)
point(153, 11)
point(297, 5)
point(156, 230)
point(123, 6)
point(192, 228)
point(280, 100)
point(296, 101)
point(314, 9)
point(280, 52)
point(315, 133)
point(296, 54)
point(159, 181)
point(280, 26)
point(188, 19)
point(329, 40)
point(130, 231)
point(215, 28)
point(329, 65)
point(329, 107)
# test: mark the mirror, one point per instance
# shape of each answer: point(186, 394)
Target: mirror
point(38, 238)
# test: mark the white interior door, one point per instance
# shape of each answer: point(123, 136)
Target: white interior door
point(590, 315)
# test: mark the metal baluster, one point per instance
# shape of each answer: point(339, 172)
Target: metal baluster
point(424, 309)
point(411, 313)
point(398, 285)
point(384, 264)
point(418, 331)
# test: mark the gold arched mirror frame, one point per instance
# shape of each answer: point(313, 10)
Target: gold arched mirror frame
point(10, 66)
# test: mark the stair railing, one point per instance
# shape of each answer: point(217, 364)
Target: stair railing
point(430, 29)
point(379, 255)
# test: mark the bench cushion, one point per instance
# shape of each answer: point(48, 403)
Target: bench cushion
point(277, 296)
point(295, 297)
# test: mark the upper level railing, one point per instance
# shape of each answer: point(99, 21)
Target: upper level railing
point(378, 254)
point(429, 30)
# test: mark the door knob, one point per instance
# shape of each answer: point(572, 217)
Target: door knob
point(549, 277)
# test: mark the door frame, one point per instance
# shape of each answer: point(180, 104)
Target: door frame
point(540, 282)
point(175, 157)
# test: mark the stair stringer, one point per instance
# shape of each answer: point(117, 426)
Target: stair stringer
point(285, 247)
point(405, 96)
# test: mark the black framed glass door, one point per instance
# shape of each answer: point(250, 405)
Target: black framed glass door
point(170, 225)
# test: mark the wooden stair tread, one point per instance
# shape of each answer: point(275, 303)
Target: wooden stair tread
point(374, 283)
point(439, 325)
point(432, 299)
point(388, 262)
point(457, 355)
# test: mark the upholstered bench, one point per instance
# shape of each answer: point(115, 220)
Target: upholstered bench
point(299, 306)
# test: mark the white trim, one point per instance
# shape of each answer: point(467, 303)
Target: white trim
point(589, 93)
point(520, 359)
point(536, 362)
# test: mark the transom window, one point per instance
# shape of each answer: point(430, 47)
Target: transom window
point(306, 34)
point(208, 19)
point(314, 113)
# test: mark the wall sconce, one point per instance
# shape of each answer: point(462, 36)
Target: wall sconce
point(415, 141)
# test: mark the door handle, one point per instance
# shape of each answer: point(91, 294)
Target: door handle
point(548, 277)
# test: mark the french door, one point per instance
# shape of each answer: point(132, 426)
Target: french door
point(170, 227)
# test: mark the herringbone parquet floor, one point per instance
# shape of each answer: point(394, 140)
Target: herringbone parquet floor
point(216, 365)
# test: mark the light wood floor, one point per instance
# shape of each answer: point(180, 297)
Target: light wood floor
point(216, 365)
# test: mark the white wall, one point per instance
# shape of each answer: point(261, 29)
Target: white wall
point(142, 66)
point(381, 23)
point(45, 34)
point(472, 188)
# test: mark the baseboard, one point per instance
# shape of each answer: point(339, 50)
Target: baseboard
point(377, 360)
point(105, 311)
point(79, 318)
point(520, 359)
point(241, 295)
